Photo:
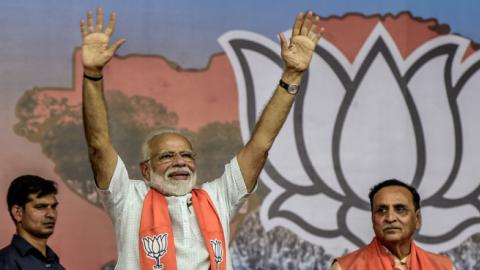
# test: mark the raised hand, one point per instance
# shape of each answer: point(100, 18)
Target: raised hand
point(95, 50)
point(305, 36)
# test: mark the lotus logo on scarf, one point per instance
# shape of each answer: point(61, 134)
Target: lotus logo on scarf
point(408, 110)
point(155, 247)
point(217, 252)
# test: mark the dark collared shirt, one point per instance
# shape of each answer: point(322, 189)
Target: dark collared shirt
point(20, 255)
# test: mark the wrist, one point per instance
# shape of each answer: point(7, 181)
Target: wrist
point(292, 77)
point(91, 73)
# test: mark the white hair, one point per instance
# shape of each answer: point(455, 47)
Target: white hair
point(146, 151)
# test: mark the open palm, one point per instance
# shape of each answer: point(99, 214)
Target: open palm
point(305, 35)
point(95, 50)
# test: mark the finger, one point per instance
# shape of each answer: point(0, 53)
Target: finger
point(319, 35)
point(314, 25)
point(83, 28)
point(99, 19)
point(90, 21)
point(111, 24)
point(312, 33)
point(116, 45)
point(297, 25)
point(283, 42)
point(307, 24)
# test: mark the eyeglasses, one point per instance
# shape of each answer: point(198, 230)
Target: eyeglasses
point(170, 156)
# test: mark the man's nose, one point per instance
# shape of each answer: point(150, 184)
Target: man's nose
point(51, 212)
point(391, 216)
point(178, 160)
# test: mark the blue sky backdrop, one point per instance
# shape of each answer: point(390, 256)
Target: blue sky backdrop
point(38, 37)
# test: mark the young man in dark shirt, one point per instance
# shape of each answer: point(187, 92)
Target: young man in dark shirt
point(32, 204)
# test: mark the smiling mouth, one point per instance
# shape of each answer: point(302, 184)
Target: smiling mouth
point(179, 175)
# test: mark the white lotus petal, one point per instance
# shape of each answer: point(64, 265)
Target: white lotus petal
point(151, 241)
point(164, 241)
point(430, 97)
point(219, 248)
point(432, 226)
point(468, 177)
point(454, 242)
point(156, 244)
point(321, 218)
point(453, 216)
point(146, 244)
point(378, 140)
point(360, 223)
point(322, 100)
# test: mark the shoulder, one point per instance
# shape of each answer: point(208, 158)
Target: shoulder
point(442, 260)
point(7, 257)
point(231, 178)
point(356, 253)
point(5, 251)
point(121, 181)
point(356, 256)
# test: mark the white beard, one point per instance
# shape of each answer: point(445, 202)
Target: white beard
point(171, 187)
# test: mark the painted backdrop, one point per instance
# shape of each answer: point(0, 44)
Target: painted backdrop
point(392, 92)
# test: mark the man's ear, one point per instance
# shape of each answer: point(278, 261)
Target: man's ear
point(17, 213)
point(145, 170)
point(419, 219)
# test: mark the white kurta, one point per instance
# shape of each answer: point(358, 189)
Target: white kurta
point(124, 202)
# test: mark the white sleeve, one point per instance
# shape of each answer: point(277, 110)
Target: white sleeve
point(229, 190)
point(113, 198)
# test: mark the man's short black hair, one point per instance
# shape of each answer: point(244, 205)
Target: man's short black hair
point(23, 186)
point(395, 182)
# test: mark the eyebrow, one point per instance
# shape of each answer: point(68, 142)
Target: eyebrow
point(45, 204)
point(388, 205)
point(168, 151)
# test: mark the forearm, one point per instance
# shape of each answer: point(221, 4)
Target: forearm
point(101, 152)
point(274, 115)
point(253, 156)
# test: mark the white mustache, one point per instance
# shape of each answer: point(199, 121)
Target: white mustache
point(390, 226)
point(169, 186)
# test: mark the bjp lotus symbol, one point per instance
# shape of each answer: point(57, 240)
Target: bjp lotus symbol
point(217, 252)
point(155, 247)
point(357, 122)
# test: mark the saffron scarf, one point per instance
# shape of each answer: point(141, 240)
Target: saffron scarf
point(156, 239)
point(374, 257)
